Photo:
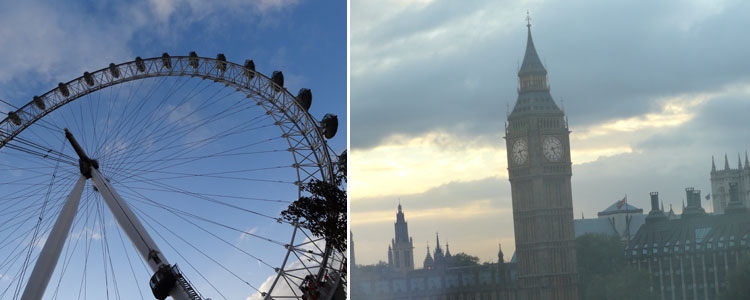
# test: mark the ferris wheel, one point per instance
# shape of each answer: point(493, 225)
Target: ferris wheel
point(164, 177)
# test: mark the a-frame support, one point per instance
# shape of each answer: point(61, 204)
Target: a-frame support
point(179, 288)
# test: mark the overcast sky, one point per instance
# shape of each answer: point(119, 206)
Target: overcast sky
point(651, 89)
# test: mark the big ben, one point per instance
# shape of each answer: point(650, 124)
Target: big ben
point(539, 170)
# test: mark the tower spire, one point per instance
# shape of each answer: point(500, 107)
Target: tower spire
point(739, 162)
point(713, 164)
point(437, 241)
point(726, 162)
point(747, 165)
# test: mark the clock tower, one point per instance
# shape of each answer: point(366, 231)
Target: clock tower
point(539, 170)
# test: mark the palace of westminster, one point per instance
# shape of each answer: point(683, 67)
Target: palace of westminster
point(687, 256)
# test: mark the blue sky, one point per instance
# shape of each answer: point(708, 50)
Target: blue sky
point(43, 43)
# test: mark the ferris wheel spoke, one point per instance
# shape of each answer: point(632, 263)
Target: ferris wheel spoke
point(210, 199)
point(191, 146)
point(175, 213)
point(118, 134)
point(140, 198)
point(185, 148)
point(137, 136)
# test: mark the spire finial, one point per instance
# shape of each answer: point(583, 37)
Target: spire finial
point(528, 19)
point(437, 240)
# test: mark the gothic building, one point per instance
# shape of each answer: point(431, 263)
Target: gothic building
point(401, 250)
point(441, 277)
point(539, 170)
point(441, 261)
point(690, 257)
point(721, 179)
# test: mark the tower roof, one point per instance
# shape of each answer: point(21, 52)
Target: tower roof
point(533, 94)
point(428, 261)
point(531, 62)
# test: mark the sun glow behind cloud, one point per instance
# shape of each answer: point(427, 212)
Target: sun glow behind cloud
point(413, 165)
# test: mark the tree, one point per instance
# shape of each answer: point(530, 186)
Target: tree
point(738, 287)
point(603, 274)
point(322, 211)
point(625, 284)
point(598, 256)
point(462, 259)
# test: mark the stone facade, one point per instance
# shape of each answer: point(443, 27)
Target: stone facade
point(539, 170)
point(440, 279)
point(486, 282)
point(720, 180)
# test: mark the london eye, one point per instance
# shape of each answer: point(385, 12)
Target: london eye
point(164, 177)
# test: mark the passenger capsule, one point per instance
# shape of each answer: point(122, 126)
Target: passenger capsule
point(88, 78)
point(250, 68)
point(39, 102)
point(304, 98)
point(13, 116)
point(114, 70)
point(166, 61)
point(278, 79)
point(329, 125)
point(222, 62)
point(193, 60)
point(63, 89)
point(139, 64)
point(163, 281)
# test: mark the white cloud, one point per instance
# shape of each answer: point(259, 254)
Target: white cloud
point(163, 10)
point(290, 289)
point(56, 42)
point(413, 165)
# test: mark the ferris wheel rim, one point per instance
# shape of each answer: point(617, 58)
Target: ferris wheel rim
point(277, 102)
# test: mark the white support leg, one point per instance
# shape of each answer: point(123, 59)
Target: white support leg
point(50, 254)
point(134, 229)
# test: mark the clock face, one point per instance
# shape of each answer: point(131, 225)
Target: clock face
point(520, 151)
point(552, 148)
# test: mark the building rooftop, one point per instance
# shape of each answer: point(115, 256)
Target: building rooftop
point(622, 208)
point(691, 235)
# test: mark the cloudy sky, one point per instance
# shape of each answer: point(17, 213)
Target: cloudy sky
point(46, 42)
point(652, 91)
